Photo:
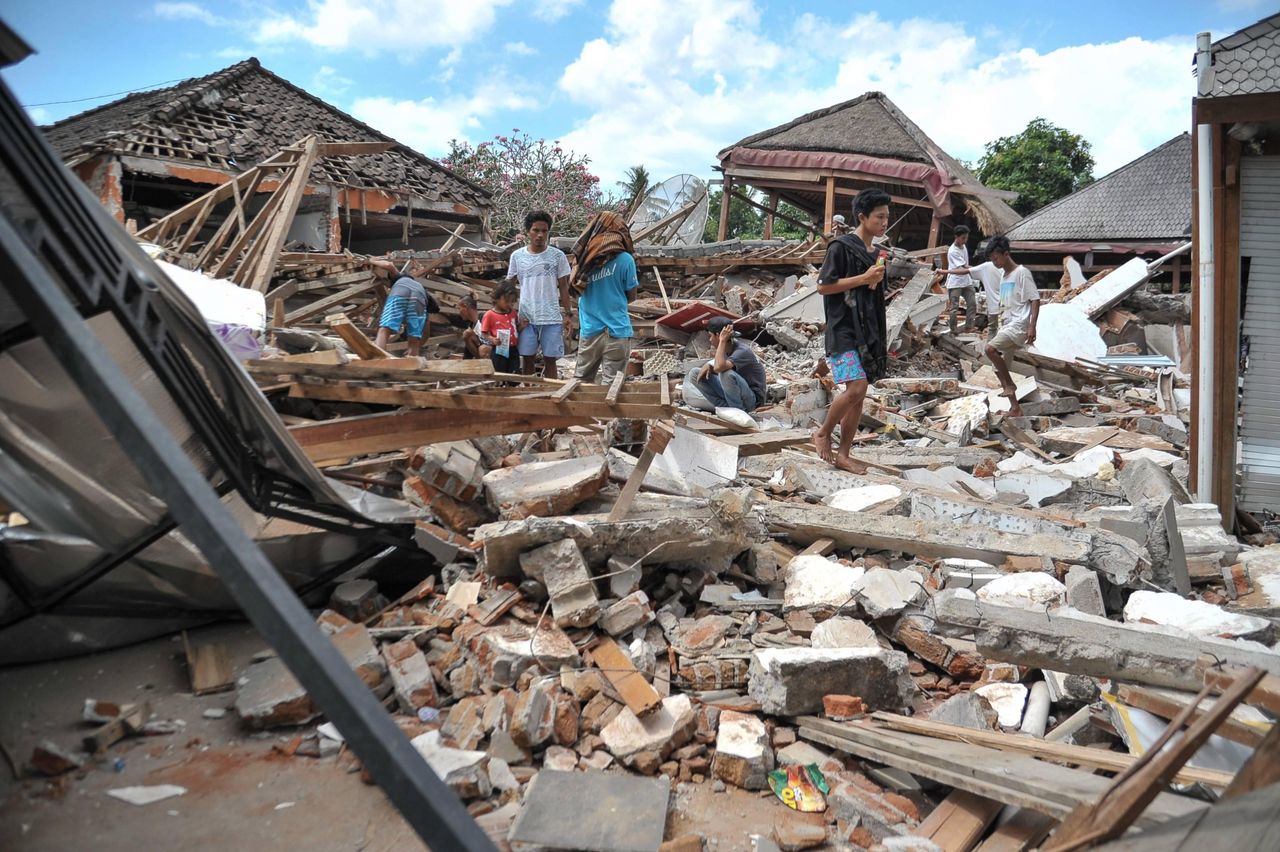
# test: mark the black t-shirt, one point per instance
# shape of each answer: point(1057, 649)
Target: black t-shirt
point(855, 318)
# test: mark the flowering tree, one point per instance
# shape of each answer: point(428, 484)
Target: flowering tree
point(523, 174)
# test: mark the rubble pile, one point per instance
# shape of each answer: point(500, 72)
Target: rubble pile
point(753, 614)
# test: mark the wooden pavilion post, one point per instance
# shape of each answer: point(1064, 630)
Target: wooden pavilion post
point(725, 197)
point(768, 217)
point(829, 209)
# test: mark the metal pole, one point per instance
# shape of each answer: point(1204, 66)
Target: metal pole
point(423, 799)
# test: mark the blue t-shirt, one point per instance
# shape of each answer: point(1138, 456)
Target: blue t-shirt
point(604, 304)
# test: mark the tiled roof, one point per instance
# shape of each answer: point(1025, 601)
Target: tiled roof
point(238, 116)
point(1246, 62)
point(1148, 199)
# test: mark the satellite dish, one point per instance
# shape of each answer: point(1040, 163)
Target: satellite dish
point(674, 212)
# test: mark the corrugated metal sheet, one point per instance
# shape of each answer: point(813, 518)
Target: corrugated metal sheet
point(1260, 407)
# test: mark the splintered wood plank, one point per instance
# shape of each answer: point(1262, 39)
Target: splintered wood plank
point(1168, 706)
point(494, 607)
point(1024, 830)
point(641, 698)
point(1262, 768)
point(664, 394)
point(1265, 695)
point(611, 397)
point(356, 339)
point(496, 403)
point(319, 306)
point(958, 822)
point(763, 443)
point(1092, 758)
point(568, 388)
point(209, 667)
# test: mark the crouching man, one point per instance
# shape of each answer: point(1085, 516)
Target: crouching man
point(734, 378)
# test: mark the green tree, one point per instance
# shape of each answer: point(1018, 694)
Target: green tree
point(745, 221)
point(1042, 164)
point(636, 185)
point(784, 230)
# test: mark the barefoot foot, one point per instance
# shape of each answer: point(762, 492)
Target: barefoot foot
point(822, 444)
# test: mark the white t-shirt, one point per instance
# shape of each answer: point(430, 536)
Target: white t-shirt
point(1017, 292)
point(990, 277)
point(958, 256)
point(539, 276)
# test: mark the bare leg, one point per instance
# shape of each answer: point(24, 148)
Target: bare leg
point(836, 413)
point(383, 338)
point(471, 342)
point(1008, 389)
point(857, 393)
point(549, 370)
point(414, 347)
point(527, 364)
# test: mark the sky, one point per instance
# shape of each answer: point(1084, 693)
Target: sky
point(663, 83)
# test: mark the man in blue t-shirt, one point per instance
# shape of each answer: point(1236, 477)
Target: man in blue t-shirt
point(605, 324)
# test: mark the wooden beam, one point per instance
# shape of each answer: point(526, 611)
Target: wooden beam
point(611, 398)
point(641, 698)
point(1262, 768)
point(726, 196)
point(361, 345)
point(808, 226)
point(934, 228)
point(1236, 108)
point(768, 219)
point(1227, 326)
point(481, 402)
point(1090, 758)
point(352, 149)
point(959, 821)
point(659, 437)
point(1266, 695)
point(349, 437)
point(268, 249)
point(829, 205)
point(1169, 707)
point(1133, 790)
point(319, 306)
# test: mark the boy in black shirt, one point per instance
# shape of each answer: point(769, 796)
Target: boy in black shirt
point(857, 352)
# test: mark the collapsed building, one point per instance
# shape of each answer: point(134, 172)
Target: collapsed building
point(150, 153)
point(622, 612)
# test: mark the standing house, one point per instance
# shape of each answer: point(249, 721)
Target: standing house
point(1141, 209)
point(150, 153)
point(819, 161)
point(1235, 427)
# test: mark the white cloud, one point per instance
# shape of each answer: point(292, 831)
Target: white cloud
point(38, 115)
point(381, 25)
point(671, 86)
point(519, 48)
point(187, 12)
point(428, 124)
point(553, 10)
point(329, 82)
point(233, 52)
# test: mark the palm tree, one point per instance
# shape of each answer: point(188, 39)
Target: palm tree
point(636, 186)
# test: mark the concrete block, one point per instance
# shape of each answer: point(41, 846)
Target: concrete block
point(504, 652)
point(543, 489)
point(967, 710)
point(1007, 699)
point(744, 755)
point(841, 632)
point(454, 467)
point(1084, 591)
point(792, 681)
point(815, 581)
point(464, 727)
point(464, 771)
point(533, 717)
point(883, 591)
point(357, 599)
point(627, 614)
point(411, 677)
point(1027, 590)
point(801, 754)
point(794, 835)
point(609, 812)
point(668, 728)
point(563, 571)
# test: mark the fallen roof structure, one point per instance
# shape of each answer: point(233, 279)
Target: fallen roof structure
point(835, 152)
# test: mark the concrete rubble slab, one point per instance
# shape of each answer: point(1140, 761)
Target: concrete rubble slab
point(544, 489)
point(883, 592)
point(863, 498)
point(657, 530)
point(1196, 617)
point(1075, 643)
point(628, 736)
point(611, 812)
point(792, 681)
point(466, 772)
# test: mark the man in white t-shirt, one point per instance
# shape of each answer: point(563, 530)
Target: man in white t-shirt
point(543, 273)
point(1019, 310)
point(958, 281)
point(989, 277)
